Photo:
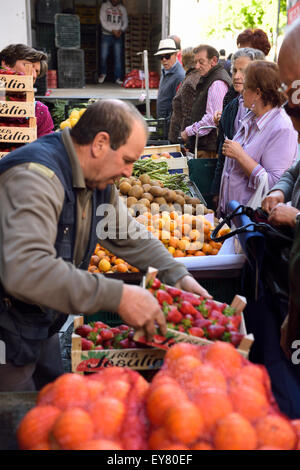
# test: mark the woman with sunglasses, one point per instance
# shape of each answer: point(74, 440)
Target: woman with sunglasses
point(265, 143)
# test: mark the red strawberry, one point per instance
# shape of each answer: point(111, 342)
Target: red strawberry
point(230, 327)
point(181, 328)
point(215, 331)
point(174, 316)
point(99, 325)
point(106, 334)
point(174, 292)
point(202, 323)
point(123, 327)
point(187, 308)
point(236, 338)
point(155, 284)
point(163, 296)
point(195, 331)
point(124, 343)
point(236, 320)
point(217, 315)
point(99, 347)
point(86, 344)
point(116, 331)
point(189, 297)
point(83, 330)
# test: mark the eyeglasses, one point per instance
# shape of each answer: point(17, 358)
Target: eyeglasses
point(292, 112)
point(165, 56)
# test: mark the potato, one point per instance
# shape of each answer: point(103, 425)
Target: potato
point(156, 191)
point(145, 179)
point(180, 192)
point(180, 200)
point(160, 200)
point(144, 202)
point(148, 196)
point(146, 187)
point(192, 200)
point(125, 187)
point(170, 196)
point(136, 191)
point(130, 201)
point(154, 183)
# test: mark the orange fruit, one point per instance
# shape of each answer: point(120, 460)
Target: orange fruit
point(199, 253)
point(174, 446)
point(117, 389)
point(173, 215)
point(100, 444)
point(121, 268)
point(207, 249)
point(159, 439)
point(171, 250)
point(202, 445)
point(183, 245)
point(205, 378)
point(179, 254)
point(187, 219)
point(214, 405)
point(34, 428)
point(179, 350)
point(234, 432)
point(250, 376)
point(183, 422)
point(72, 428)
point(100, 253)
point(225, 357)
point(44, 396)
point(195, 235)
point(119, 261)
point(173, 242)
point(249, 402)
point(107, 415)
point(93, 269)
point(70, 390)
point(184, 365)
point(276, 431)
point(160, 399)
point(95, 389)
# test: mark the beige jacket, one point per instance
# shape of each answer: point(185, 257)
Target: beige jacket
point(32, 198)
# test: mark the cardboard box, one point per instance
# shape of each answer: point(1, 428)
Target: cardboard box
point(93, 361)
point(177, 164)
point(17, 109)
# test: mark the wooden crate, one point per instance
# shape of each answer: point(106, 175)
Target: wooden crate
point(92, 361)
point(18, 109)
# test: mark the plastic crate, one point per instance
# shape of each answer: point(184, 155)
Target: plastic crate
point(67, 31)
point(71, 72)
point(46, 10)
point(158, 129)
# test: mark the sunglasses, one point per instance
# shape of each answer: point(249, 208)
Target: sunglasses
point(292, 112)
point(165, 56)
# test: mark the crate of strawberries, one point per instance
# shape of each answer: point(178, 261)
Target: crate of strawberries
point(97, 345)
point(193, 319)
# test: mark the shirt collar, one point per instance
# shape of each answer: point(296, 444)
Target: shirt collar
point(77, 174)
point(262, 121)
point(172, 69)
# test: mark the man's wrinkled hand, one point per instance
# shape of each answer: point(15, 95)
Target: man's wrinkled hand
point(140, 309)
point(283, 215)
point(189, 284)
point(271, 201)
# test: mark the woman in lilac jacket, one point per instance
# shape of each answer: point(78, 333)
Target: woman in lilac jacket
point(265, 143)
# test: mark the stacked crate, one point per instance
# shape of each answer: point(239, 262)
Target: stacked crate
point(137, 39)
point(13, 134)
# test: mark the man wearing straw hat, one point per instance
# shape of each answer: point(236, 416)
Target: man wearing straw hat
point(171, 76)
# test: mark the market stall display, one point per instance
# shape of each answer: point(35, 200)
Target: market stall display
point(17, 110)
point(103, 261)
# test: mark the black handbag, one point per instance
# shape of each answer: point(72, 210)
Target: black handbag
point(253, 229)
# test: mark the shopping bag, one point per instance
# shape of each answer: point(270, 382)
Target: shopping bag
point(260, 192)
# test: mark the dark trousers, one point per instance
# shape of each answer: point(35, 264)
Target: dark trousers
point(34, 376)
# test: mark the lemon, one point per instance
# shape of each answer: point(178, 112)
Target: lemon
point(104, 266)
point(83, 110)
point(73, 121)
point(74, 114)
point(65, 123)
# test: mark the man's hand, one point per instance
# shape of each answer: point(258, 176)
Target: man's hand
point(139, 309)
point(184, 136)
point(283, 215)
point(189, 284)
point(274, 198)
point(217, 117)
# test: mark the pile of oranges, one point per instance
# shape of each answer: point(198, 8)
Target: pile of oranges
point(102, 411)
point(204, 398)
point(208, 398)
point(182, 234)
point(103, 261)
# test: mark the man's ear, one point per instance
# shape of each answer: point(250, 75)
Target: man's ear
point(214, 61)
point(101, 142)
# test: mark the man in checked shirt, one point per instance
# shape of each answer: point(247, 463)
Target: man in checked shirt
point(211, 89)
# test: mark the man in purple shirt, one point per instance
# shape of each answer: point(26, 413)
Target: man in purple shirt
point(211, 89)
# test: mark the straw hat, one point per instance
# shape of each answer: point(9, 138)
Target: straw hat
point(166, 46)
